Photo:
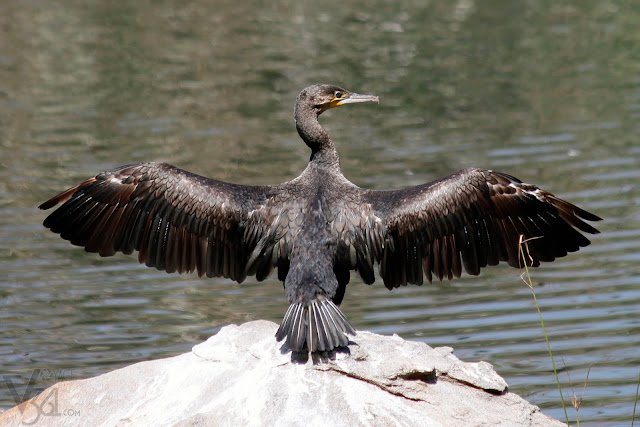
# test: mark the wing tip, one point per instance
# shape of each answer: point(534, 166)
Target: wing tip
point(65, 195)
point(574, 215)
point(60, 198)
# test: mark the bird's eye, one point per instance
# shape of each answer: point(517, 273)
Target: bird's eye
point(338, 95)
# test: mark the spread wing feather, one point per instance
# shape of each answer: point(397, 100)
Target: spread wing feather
point(176, 220)
point(470, 219)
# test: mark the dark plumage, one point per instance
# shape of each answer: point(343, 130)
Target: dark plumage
point(317, 227)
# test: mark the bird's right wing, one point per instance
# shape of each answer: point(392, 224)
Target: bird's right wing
point(178, 221)
point(472, 218)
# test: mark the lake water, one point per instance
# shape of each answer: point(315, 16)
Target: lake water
point(546, 91)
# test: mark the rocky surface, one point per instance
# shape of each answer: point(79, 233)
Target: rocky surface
point(241, 377)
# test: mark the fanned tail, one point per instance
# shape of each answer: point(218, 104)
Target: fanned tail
point(319, 324)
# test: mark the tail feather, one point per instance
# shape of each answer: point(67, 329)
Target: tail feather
point(319, 324)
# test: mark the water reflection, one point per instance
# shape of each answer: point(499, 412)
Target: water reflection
point(545, 91)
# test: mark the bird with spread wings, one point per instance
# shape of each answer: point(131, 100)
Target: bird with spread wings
point(317, 227)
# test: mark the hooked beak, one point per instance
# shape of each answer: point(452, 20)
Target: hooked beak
point(354, 98)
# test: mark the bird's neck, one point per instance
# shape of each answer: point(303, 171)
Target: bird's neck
point(323, 152)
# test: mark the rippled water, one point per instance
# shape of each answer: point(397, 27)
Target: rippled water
point(546, 91)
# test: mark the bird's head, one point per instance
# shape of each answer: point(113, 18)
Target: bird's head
point(321, 97)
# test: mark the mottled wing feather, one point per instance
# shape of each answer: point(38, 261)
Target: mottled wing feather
point(470, 219)
point(178, 221)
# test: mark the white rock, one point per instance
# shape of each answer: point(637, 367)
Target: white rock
point(240, 377)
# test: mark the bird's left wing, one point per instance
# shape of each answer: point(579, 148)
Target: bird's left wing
point(472, 218)
point(178, 221)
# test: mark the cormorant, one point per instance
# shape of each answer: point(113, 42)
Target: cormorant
point(318, 226)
